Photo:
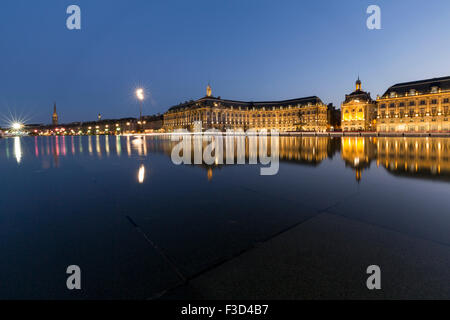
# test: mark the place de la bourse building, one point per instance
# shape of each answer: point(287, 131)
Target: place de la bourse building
point(209, 112)
point(418, 106)
point(358, 111)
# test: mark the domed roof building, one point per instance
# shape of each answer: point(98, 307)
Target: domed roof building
point(358, 94)
point(358, 111)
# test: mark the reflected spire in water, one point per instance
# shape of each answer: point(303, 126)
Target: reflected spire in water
point(357, 154)
point(210, 174)
point(358, 174)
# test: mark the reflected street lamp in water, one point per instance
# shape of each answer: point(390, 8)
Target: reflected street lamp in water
point(140, 96)
point(141, 174)
point(17, 149)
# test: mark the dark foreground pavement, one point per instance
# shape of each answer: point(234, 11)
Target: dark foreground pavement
point(326, 257)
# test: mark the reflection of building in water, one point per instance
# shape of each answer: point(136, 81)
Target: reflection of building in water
point(301, 150)
point(416, 157)
point(419, 157)
point(307, 150)
point(358, 153)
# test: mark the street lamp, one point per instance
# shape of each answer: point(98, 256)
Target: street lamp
point(17, 126)
point(140, 96)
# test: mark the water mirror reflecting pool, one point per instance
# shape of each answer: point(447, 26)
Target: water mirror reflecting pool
point(138, 225)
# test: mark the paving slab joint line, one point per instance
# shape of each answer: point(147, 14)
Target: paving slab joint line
point(240, 253)
point(159, 250)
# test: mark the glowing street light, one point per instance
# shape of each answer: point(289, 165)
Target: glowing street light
point(16, 126)
point(140, 96)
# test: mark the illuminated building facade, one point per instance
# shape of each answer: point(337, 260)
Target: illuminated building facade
point(358, 111)
point(419, 106)
point(305, 114)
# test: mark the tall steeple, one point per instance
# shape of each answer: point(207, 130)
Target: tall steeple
point(54, 116)
point(358, 84)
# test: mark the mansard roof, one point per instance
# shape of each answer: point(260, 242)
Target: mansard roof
point(358, 95)
point(313, 100)
point(421, 86)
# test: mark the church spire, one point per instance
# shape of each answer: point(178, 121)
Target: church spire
point(54, 116)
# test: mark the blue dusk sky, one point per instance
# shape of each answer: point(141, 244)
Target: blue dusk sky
point(247, 49)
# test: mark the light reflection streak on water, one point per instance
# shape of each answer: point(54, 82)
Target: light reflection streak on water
point(118, 146)
point(73, 145)
point(107, 145)
point(64, 150)
point(90, 145)
point(420, 157)
point(17, 149)
point(141, 174)
point(97, 145)
point(128, 146)
point(36, 147)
